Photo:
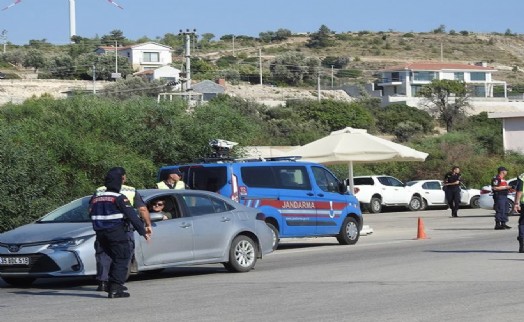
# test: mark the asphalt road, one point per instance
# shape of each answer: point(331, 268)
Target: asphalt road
point(464, 271)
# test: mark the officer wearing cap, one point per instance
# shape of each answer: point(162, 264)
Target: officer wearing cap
point(452, 182)
point(103, 261)
point(173, 181)
point(500, 195)
point(109, 212)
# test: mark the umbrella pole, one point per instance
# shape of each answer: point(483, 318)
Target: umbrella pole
point(351, 183)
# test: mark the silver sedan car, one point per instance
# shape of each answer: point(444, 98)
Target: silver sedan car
point(194, 227)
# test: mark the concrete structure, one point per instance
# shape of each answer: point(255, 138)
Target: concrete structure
point(164, 73)
point(209, 89)
point(406, 80)
point(145, 56)
point(512, 130)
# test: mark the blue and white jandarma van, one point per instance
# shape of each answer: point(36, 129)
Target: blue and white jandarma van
point(299, 199)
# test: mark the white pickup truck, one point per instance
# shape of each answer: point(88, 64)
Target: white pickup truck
point(376, 192)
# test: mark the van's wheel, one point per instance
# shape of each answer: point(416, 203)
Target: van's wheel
point(349, 232)
point(415, 204)
point(19, 281)
point(375, 205)
point(276, 238)
point(242, 255)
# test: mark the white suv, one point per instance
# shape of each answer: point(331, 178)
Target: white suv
point(375, 192)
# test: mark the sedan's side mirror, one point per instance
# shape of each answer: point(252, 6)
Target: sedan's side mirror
point(156, 216)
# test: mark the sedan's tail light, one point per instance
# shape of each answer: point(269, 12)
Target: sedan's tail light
point(260, 216)
point(484, 191)
point(355, 190)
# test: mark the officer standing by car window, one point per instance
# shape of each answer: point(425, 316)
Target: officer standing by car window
point(519, 206)
point(452, 182)
point(103, 261)
point(109, 212)
point(500, 189)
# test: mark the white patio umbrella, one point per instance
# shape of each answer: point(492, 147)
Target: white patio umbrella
point(355, 145)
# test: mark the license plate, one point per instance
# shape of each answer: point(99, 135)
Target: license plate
point(14, 260)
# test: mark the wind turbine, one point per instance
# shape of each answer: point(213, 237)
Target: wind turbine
point(72, 14)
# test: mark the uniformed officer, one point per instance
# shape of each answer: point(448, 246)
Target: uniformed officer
point(109, 213)
point(173, 181)
point(452, 182)
point(519, 206)
point(500, 195)
point(103, 261)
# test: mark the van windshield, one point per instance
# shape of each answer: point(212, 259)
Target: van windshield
point(206, 178)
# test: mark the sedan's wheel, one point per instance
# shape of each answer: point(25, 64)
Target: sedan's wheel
point(242, 255)
point(276, 238)
point(349, 232)
point(19, 281)
point(375, 205)
point(415, 204)
point(474, 203)
point(423, 204)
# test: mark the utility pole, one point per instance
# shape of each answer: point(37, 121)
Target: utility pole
point(331, 76)
point(116, 56)
point(94, 79)
point(260, 64)
point(234, 46)
point(116, 74)
point(318, 86)
point(187, 41)
point(3, 35)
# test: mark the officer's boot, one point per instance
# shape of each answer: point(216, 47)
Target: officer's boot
point(521, 244)
point(117, 291)
point(498, 226)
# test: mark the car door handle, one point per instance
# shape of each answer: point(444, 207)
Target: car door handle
point(320, 195)
point(225, 219)
point(185, 225)
point(310, 194)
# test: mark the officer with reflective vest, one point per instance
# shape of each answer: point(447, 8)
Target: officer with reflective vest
point(103, 261)
point(500, 189)
point(173, 181)
point(110, 212)
point(519, 206)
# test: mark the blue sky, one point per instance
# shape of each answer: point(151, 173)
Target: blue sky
point(49, 19)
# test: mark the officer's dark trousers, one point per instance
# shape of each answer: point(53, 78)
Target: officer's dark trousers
point(453, 199)
point(115, 243)
point(501, 208)
point(521, 223)
point(103, 261)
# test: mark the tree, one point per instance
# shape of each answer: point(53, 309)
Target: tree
point(337, 62)
point(115, 35)
point(34, 58)
point(321, 38)
point(448, 98)
point(104, 64)
point(294, 68)
point(440, 30)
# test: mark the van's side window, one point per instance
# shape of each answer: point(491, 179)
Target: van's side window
point(325, 180)
point(282, 177)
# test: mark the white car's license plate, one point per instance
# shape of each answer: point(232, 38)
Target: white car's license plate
point(14, 260)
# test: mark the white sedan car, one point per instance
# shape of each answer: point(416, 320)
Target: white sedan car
point(486, 196)
point(433, 195)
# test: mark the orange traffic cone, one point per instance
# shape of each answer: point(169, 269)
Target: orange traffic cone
point(421, 234)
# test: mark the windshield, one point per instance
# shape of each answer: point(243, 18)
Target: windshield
point(75, 211)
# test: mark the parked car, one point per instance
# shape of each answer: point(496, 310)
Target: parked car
point(486, 196)
point(205, 228)
point(376, 192)
point(299, 199)
point(433, 195)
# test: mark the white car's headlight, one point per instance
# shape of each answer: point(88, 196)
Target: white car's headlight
point(68, 242)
